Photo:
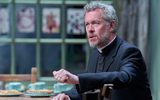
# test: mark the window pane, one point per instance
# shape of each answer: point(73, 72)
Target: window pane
point(76, 57)
point(75, 23)
point(25, 57)
point(50, 58)
point(25, 21)
point(5, 19)
point(50, 21)
point(5, 58)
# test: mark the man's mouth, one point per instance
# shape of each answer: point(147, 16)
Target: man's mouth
point(92, 38)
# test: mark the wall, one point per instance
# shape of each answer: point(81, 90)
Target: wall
point(154, 48)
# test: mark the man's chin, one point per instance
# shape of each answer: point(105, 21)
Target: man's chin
point(93, 45)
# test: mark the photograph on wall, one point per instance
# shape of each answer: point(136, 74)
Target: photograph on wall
point(25, 19)
point(4, 20)
point(50, 20)
point(75, 23)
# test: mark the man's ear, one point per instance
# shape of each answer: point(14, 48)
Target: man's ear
point(112, 26)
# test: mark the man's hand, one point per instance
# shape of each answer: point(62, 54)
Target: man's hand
point(61, 96)
point(64, 76)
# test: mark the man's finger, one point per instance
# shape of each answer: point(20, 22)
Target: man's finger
point(54, 73)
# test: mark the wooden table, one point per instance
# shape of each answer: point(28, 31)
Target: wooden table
point(23, 97)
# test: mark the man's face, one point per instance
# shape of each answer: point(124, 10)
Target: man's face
point(98, 30)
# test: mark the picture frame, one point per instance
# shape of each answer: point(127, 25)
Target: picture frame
point(4, 19)
point(25, 18)
point(51, 20)
point(75, 22)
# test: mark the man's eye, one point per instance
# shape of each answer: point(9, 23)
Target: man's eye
point(96, 23)
point(86, 24)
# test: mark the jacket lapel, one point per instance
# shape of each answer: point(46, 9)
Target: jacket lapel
point(110, 52)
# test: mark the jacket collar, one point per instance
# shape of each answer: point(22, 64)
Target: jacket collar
point(100, 49)
point(112, 48)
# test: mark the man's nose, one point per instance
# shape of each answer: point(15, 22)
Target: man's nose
point(91, 29)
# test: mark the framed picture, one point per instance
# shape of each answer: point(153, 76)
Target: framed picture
point(4, 20)
point(75, 23)
point(51, 20)
point(25, 18)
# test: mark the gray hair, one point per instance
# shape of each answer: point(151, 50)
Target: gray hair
point(109, 11)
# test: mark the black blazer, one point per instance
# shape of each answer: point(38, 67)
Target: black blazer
point(123, 66)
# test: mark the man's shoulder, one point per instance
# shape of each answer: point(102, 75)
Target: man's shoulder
point(128, 47)
point(125, 44)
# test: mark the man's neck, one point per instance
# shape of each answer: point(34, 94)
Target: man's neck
point(100, 49)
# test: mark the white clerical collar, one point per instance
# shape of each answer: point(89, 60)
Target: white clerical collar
point(100, 49)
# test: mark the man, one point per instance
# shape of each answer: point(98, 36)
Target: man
point(112, 61)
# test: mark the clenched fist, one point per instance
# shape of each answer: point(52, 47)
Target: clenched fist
point(65, 76)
